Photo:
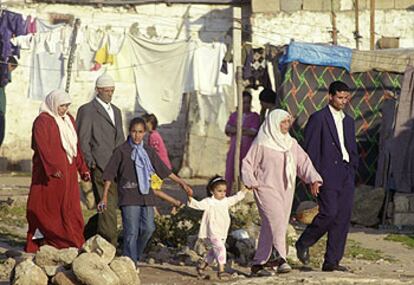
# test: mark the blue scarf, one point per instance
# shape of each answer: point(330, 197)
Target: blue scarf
point(143, 166)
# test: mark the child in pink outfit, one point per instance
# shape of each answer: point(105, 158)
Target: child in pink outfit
point(157, 143)
point(155, 140)
point(215, 222)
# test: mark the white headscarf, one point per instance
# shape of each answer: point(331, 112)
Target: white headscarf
point(67, 132)
point(271, 136)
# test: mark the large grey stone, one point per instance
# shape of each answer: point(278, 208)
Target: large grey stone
point(6, 268)
point(101, 247)
point(90, 269)
point(28, 273)
point(368, 202)
point(125, 269)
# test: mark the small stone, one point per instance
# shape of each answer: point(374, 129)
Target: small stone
point(101, 247)
point(90, 269)
point(6, 268)
point(151, 261)
point(125, 269)
point(66, 278)
point(28, 273)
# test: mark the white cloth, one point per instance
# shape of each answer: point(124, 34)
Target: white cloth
point(216, 218)
point(24, 42)
point(48, 69)
point(115, 42)
point(207, 62)
point(122, 69)
point(338, 119)
point(271, 136)
point(95, 38)
point(205, 78)
point(160, 71)
point(108, 108)
point(67, 131)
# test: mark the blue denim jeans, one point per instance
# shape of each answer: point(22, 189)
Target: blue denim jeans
point(138, 224)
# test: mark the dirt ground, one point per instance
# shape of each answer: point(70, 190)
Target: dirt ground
point(385, 262)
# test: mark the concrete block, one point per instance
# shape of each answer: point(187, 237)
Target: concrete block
point(362, 4)
point(291, 5)
point(3, 164)
point(401, 203)
point(411, 198)
point(383, 4)
point(404, 4)
point(265, 6)
point(321, 5)
point(26, 165)
point(403, 219)
point(313, 5)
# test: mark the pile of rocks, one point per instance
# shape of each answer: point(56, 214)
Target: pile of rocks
point(94, 264)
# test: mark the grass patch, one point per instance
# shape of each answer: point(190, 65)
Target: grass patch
point(407, 240)
point(13, 216)
point(353, 250)
point(356, 251)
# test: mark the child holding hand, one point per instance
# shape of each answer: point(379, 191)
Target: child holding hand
point(215, 223)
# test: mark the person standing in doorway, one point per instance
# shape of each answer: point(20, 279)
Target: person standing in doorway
point(100, 132)
point(331, 144)
point(250, 127)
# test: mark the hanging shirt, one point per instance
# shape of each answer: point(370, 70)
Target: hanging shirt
point(48, 69)
point(160, 71)
point(108, 109)
point(338, 119)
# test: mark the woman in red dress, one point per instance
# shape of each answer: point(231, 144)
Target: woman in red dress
point(53, 207)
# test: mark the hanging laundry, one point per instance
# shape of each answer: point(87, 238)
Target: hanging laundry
point(122, 70)
point(209, 82)
point(273, 55)
point(47, 72)
point(31, 25)
point(255, 69)
point(102, 56)
point(115, 42)
point(11, 25)
point(23, 42)
point(207, 63)
point(160, 71)
point(96, 38)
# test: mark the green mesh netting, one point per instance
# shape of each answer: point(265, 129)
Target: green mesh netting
point(305, 90)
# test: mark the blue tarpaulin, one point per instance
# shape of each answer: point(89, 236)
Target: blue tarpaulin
point(318, 54)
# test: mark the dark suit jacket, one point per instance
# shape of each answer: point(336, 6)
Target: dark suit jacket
point(323, 147)
point(98, 136)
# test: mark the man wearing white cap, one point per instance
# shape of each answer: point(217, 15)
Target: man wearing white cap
point(100, 132)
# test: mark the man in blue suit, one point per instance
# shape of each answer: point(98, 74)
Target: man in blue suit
point(331, 144)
